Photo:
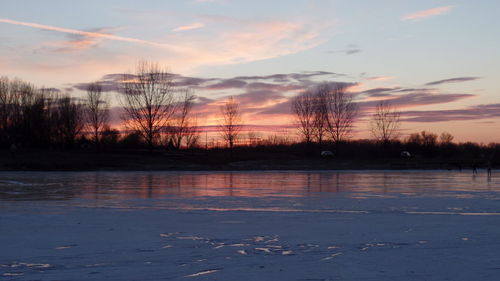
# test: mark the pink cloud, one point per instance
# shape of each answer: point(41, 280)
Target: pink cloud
point(246, 41)
point(427, 13)
point(226, 41)
point(194, 25)
point(380, 78)
point(76, 42)
point(86, 33)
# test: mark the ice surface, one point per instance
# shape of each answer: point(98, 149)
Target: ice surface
point(370, 225)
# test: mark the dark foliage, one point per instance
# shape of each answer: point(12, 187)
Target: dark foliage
point(39, 118)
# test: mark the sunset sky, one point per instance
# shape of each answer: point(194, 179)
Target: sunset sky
point(438, 61)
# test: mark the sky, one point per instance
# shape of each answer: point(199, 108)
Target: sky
point(437, 61)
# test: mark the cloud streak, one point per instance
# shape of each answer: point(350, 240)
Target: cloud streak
point(75, 42)
point(380, 78)
point(195, 25)
point(225, 41)
point(452, 80)
point(477, 112)
point(427, 13)
point(266, 100)
point(351, 49)
point(87, 33)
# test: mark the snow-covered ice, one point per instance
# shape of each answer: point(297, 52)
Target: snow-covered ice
point(353, 225)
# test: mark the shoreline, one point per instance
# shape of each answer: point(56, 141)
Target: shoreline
point(215, 161)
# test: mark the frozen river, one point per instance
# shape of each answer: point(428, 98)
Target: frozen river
point(286, 225)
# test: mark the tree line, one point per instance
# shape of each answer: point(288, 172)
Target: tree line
point(155, 113)
point(328, 112)
point(34, 117)
point(158, 113)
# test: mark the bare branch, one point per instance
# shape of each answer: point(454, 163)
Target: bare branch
point(341, 111)
point(182, 126)
point(96, 111)
point(304, 108)
point(149, 100)
point(385, 122)
point(230, 125)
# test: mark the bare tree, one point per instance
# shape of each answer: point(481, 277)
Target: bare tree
point(423, 138)
point(254, 138)
point(182, 126)
point(69, 119)
point(303, 106)
point(8, 108)
point(428, 138)
point(192, 135)
point(96, 111)
point(149, 100)
point(6, 102)
point(16, 97)
point(24, 113)
point(446, 138)
point(385, 122)
point(230, 125)
point(320, 114)
point(341, 111)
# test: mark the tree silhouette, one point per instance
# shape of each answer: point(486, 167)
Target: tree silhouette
point(230, 124)
point(446, 138)
point(341, 111)
point(182, 127)
point(304, 108)
point(96, 111)
point(69, 118)
point(385, 122)
point(320, 114)
point(149, 100)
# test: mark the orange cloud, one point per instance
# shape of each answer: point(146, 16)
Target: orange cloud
point(194, 25)
point(75, 42)
point(427, 13)
point(380, 78)
point(230, 41)
point(244, 42)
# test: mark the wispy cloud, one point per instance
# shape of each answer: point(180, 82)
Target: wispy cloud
point(427, 13)
point(86, 33)
point(452, 80)
point(236, 41)
point(278, 82)
point(380, 78)
point(351, 49)
point(267, 99)
point(477, 112)
point(379, 92)
point(195, 25)
point(228, 41)
point(207, 1)
point(264, 99)
point(75, 42)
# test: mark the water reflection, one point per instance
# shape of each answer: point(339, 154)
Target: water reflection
point(131, 185)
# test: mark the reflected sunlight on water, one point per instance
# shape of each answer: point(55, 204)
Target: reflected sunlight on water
point(154, 185)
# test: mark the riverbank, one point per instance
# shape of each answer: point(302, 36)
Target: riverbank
point(35, 160)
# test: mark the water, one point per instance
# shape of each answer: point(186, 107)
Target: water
point(258, 190)
point(273, 225)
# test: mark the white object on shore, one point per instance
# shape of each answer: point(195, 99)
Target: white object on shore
point(326, 153)
point(405, 154)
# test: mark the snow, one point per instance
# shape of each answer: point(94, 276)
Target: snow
point(432, 225)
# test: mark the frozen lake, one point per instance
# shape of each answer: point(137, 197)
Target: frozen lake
point(281, 225)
